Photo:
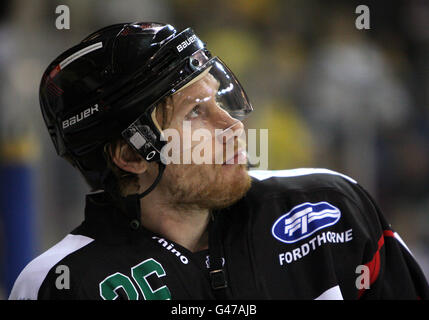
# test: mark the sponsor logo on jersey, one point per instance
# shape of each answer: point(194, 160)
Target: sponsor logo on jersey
point(313, 244)
point(304, 220)
point(170, 247)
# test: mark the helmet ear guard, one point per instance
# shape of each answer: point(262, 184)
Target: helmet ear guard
point(142, 139)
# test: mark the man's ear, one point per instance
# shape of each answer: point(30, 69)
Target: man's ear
point(127, 159)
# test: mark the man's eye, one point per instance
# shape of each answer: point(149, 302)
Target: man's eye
point(195, 112)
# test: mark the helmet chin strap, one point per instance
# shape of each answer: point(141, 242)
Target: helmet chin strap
point(131, 203)
point(161, 168)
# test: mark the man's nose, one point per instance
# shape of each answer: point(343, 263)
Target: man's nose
point(224, 120)
point(230, 129)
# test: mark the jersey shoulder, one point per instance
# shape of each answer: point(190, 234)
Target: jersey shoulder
point(31, 278)
point(271, 182)
point(286, 190)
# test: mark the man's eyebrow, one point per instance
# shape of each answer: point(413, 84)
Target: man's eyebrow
point(202, 96)
point(183, 101)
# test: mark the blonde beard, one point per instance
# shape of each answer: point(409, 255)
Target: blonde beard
point(205, 186)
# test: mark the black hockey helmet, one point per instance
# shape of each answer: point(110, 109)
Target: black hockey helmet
point(110, 83)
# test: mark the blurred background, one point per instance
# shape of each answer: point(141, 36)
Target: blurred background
point(355, 101)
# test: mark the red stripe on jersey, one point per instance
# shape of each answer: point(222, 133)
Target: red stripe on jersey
point(388, 233)
point(374, 264)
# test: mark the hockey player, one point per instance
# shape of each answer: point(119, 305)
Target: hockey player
point(160, 230)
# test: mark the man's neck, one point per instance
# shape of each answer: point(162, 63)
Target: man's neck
point(187, 227)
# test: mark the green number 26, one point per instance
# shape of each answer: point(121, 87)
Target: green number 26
point(140, 272)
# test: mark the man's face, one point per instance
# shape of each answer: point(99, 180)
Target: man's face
point(220, 180)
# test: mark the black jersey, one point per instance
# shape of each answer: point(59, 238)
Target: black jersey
point(297, 234)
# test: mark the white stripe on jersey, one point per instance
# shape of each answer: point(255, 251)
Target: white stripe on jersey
point(333, 293)
point(265, 174)
point(28, 283)
point(399, 239)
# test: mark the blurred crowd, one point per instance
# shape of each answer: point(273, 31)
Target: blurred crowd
point(331, 95)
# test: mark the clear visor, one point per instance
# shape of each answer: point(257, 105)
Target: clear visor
point(211, 101)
